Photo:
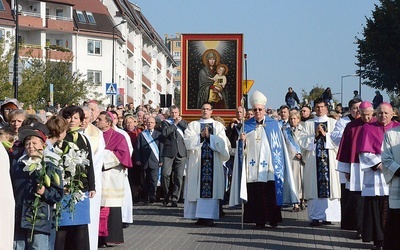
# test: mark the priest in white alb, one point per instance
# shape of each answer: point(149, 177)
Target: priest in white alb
point(321, 180)
point(207, 147)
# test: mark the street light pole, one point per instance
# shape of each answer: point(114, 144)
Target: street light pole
point(16, 55)
point(341, 86)
point(113, 56)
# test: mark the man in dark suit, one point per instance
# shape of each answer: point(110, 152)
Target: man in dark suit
point(148, 157)
point(174, 156)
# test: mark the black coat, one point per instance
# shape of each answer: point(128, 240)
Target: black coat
point(145, 154)
point(24, 187)
point(173, 140)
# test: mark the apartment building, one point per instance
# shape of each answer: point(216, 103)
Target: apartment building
point(173, 43)
point(106, 40)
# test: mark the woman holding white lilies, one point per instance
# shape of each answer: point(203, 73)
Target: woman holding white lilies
point(37, 187)
point(79, 185)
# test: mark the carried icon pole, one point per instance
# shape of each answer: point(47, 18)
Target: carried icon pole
point(245, 76)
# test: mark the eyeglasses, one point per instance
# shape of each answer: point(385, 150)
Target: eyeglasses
point(120, 108)
point(259, 109)
point(206, 109)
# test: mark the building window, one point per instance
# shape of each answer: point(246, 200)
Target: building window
point(178, 73)
point(94, 76)
point(2, 34)
point(90, 17)
point(178, 44)
point(60, 42)
point(81, 17)
point(178, 63)
point(177, 54)
point(59, 13)
point(94, 47)
point(2, 5)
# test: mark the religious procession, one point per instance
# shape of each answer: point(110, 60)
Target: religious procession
point(71, 176)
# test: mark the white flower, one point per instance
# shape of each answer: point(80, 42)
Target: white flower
point(67, 181)
point(73, 146)
point(57, 150)
point(74, 158)
point(32, 164)
point(78, 196)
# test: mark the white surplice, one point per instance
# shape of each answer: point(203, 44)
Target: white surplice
point(196, 207)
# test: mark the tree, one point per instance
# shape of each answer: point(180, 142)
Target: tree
point(6, 88)
point(316, 92)
point(39, 73)
point(379, 51)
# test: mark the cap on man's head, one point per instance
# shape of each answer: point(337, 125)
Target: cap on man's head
point(49, 114)
point(258, 98)
point(365, 105)
point(34, 129)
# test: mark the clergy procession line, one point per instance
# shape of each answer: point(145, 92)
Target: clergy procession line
point(74, 173)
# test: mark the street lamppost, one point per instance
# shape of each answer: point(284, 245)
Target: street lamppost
point(16, 54)
point(113, 56)
point(341, 86)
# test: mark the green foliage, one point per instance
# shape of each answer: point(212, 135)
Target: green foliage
point(37, 76)
point(316, 92)
point(379, 50)
point(6, 88)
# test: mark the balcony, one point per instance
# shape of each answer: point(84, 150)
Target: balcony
point(59, 55)
point(31, 50)
point(146, 81)
point(59, 23)
point(130, 74)
point(146, 56)
point(30, 19)
point(158, 65)
point(130, 46)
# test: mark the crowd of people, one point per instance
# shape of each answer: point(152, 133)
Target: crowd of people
point(74, 173)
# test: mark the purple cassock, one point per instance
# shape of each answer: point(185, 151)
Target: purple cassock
point(371, 138)
point(348, 147)
point(116, 142)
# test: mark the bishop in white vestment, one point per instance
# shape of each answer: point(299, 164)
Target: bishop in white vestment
point(263, 180)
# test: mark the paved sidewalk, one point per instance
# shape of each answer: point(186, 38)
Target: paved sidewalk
point(157, 227)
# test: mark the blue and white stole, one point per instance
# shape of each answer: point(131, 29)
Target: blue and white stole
point(178, 128)
point(289, 135)
point(272, 130)
point(152, 143)
point(322, 161)
point(207, 164)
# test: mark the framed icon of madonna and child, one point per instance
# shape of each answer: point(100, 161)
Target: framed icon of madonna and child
point(211, 72)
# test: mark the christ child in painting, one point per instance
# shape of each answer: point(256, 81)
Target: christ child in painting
point(215, 94)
